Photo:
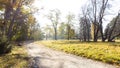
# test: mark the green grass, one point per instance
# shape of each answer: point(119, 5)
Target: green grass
point(16, 59)
point(105, 52)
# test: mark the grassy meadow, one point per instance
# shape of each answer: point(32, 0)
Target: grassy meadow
point(16, 59)
point(105, 52)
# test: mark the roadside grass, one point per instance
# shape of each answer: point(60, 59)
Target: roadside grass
point(16, 59)
point(105, 52)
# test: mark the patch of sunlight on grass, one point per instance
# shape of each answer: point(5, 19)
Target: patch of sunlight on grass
point(105, 52)
point(16, 59)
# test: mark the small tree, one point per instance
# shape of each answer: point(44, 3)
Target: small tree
point(70, 17)
point(96, 11)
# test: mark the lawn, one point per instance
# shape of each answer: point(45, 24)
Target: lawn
point(16, 59)
point(105, 52)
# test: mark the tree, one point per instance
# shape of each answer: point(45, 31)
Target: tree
point(97, 10)
point(71, 32)
point(48, 32)
point(36, 32)
point(62, 30)
point(14, 13)
point(84, 30)
point(112, 31)
point(12, 22)
point(54, 17)
point(84, 25)
point(70, 17)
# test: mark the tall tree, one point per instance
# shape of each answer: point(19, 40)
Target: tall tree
point(84, 24)
point(13, 20)
point(54, 17)
point(97, 10)
point(70, 17)
point(84, 30)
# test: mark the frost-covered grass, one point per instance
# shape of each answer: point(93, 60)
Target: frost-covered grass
point(105, 52)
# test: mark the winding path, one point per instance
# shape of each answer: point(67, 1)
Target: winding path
point(43, 57)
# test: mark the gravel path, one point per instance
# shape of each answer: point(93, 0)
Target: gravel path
point(43, 57)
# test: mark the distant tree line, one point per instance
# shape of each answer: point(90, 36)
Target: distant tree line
point(60, 30)
point(91, 21)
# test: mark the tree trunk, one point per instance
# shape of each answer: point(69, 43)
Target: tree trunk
point(55, 33)
point(101, 31)
point(95, 39)
point(96, 30)
point(68, 32)
point(103, 40)
point(110, 40)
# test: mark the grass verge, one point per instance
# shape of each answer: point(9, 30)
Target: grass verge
point(16, 59)
point(105, 52)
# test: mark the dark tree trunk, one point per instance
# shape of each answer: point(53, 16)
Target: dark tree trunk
point(68, 27)
point(95, 39)
point(111, 40)
point(96, 30)
point(101, 31)
point(55, 33)
point(84, 34)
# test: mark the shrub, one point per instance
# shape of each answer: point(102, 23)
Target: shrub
point(5, 46)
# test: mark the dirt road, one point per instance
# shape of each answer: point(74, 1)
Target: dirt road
point(43, 57)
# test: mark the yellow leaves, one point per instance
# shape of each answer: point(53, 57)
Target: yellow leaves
point(31, 19)
point(25, 9)
point(4, 1)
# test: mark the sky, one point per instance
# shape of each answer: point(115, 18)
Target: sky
point(66, 6)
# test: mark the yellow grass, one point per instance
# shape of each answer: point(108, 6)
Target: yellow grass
point(16, 59)
point(105, 52)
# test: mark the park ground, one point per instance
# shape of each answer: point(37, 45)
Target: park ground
point(63, 54)
point(18, 58)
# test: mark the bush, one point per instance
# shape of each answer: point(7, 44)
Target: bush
point(5, 46)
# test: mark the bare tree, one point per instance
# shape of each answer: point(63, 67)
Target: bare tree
point(54, 17)
point(97, 12)
point(112, 31)
point(101, 15)
point(84, 23)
